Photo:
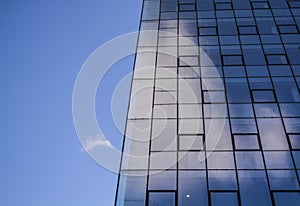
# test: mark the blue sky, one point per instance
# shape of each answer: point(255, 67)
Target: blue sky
point(43, 45)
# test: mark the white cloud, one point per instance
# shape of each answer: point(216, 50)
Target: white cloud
point(91, 143)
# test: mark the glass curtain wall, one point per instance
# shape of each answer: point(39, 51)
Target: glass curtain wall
point(214, 115)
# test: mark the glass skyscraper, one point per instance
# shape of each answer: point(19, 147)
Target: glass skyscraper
point(214, 114)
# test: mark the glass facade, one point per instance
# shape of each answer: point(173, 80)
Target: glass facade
point(214, 114)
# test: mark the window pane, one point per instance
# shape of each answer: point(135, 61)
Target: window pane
point(241, 110)
point(292, 125)
point(165, 98)
point(165, 111)
point(191, 160)
point(166, 72)
point(246, 142)
point(141, 99)
point(237, 90)
point(218, 136)
point(278, 160)
point(290, 110)
point(161, 199)
point(189, 72)
point(295, 141)
point(220, 160)
point(254, 188)
point(263, 96)
point(253, 52)
point(222, 180)
point(190, 111)
point(214, 96)
point(190, 142)
point(215, 111)
point(164, 135)
point(166, 84)
point(226, 27)
point(189, 91)
point(163, 160)
point(286, 90)
point(249, 160)
point(296, 155)
point(266, 26)
point(224, 198)
point(190, 126)
point(260, 83)
point(192, 189)
point(242, 126)
point(266, 110)
point(189, 61)
point(165, 180)
point(272, 134)
point(282, 198)
point(132, 190)
point(283, 180)
point(234, 71)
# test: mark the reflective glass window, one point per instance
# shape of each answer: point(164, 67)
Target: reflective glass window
point(190, 126)
point(271, 130)
point(295, 141)
point(165, 111)
point(227, 27)
point(246, 142)
point(229, 40)
point(164, 135)
point(222, 180)
point(132, 190)
point(189, 91)
point(264, 110)
point(263, 96)
point(254, 188)
point(190, 111)
point(282, 198)
point(296, 155)
point(220, 160)
point(243, 126)
point(278, 160)
point(163, 180)
point(290, 109)
point(250, 39)
point(191, 160)
point(234, 71)
point(224, 198)
point(292, 125)
point(166, 84)
point(207, 31)
point(218, 136)
point(214, 96)
point(283, 180)
point(161, 198)
point(286, 90)
point(251, 52)
point(189, 72)
point(249, 160)
point(192, 188)
point(190, 142)
point(163, 160)
point(240, 110)
point(257, 71)
point(237, 90)
point(215, 111)
point(266, 25)
point(165, 97)
point(280, 70)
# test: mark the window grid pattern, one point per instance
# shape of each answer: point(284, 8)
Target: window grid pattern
point(254, 51)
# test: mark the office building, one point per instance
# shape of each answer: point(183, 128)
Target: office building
point(214, 115)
